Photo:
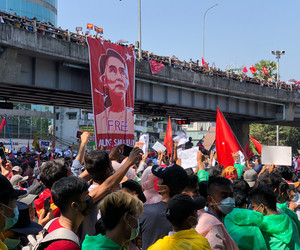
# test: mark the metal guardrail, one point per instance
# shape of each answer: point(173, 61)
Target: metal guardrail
point(48, 29)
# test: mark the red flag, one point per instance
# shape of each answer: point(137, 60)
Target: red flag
point(168, 142)
point(98, 30)
point(52, 156)
point(38, 146)
point(245, 70)
point(89, 26)
point(226, 143)
point(28, 148)
point(248, 152)
point(252, 69)
point(203, 62)
point(155, 67)
point(53, 143)
point(3, 123)
point(265, 70)
point(257, 145)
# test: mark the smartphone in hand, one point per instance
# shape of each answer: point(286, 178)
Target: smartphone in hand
point(78, 134)
point(126, 150)
point(47, 202)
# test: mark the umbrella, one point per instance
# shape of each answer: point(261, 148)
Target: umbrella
point(122, 41)
point(297, 82)
point(293, 80)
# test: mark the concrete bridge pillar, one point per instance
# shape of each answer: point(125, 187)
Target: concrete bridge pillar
point(241, 131)
point(10, 69)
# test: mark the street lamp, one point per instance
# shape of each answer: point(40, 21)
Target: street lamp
point(140, 31)
point(204, 27)
point(277, 53)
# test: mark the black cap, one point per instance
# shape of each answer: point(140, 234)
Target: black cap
point(24, 225)
point(183, 205)
point(7, 190)
point(133, 185)
point(174, 176)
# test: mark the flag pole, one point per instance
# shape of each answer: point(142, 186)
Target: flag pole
point(11, 148)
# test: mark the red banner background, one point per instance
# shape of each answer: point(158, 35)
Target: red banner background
point(112, 72)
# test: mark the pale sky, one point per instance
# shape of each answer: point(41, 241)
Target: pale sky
point(238, 32)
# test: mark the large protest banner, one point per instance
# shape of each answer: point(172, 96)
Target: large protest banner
point(112, 73)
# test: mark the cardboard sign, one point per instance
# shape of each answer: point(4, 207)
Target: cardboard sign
point(188, 158)
point(159, 147)
point(277, 155)
point(78, 28)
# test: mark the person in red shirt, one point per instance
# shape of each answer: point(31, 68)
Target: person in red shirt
point(71, 196)
point(51, 172)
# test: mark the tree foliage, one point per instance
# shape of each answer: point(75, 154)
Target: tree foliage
point(266, 135)
point(270, 66)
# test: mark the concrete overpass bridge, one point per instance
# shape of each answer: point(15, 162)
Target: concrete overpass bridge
point(39, 69)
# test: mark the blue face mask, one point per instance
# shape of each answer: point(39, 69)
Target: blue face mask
point(10, 222)
point(296, 197)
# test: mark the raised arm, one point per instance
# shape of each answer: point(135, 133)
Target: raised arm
point(107, 186)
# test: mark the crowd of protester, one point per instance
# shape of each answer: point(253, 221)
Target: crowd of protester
point(105, 200)
point(48, 29)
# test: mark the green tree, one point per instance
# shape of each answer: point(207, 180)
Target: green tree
point(266, 135)
point(270, 66)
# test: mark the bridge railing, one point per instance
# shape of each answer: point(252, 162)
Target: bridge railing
point(48, 29)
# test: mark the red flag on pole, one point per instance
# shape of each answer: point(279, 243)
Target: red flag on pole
point(155, 66)
point(3, 123)
point(265, 70)
point(252, 69)
point(245, 70)
point(89, 26)
point(203, 62)
point(52, 156)
point(168, 142)
point(248, 152)
point(28, 148)
point(257, 145)
point(226, 143)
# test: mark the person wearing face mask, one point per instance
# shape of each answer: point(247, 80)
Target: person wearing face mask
point(181, 212)
point(120, 213)
point(243, 224)
point(154, 225)
point(278, 229)
point(16, 236)
point(9, 212)
point(71, 196)
point(220, 202)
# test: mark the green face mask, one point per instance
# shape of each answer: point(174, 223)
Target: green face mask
point(134, 231)
point(12, 243)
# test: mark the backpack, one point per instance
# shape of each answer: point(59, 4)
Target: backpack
point(41, 241)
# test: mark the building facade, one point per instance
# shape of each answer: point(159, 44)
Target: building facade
point(43, 10)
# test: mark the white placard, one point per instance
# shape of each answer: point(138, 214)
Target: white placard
point(159, 147)
point(145, 138)
point(188, 158)
point(277, 155)
point(181, 138)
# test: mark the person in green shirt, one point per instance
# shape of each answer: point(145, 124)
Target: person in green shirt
point(120, 213)
point(243, 224)
point(279, 230)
